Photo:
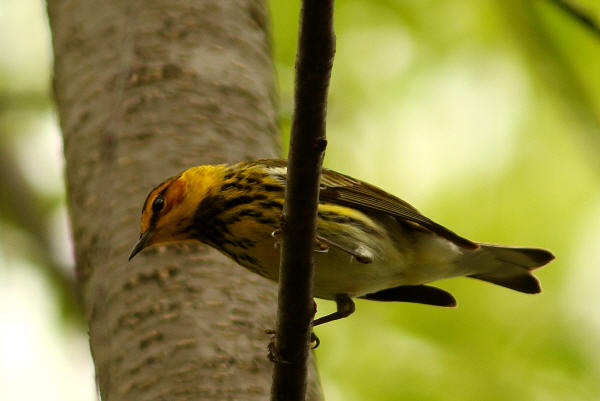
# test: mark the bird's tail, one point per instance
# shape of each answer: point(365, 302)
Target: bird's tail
point(510, 266)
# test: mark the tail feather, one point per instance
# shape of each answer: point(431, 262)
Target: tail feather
point(529, 258)
point(520, 281)
point(511, 267)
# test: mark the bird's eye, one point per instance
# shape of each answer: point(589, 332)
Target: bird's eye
point(158, 204)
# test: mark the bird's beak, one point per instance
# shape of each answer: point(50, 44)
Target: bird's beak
point(141, 244)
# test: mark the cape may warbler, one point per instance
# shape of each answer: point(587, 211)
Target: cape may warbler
point(370, 244)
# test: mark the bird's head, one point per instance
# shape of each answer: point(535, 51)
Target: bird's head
point(170, 208)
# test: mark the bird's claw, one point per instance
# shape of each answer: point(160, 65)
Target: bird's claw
point(274, 355)
point(314, 339)
point(272, 352)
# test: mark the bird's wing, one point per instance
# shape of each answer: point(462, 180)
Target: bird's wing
point(341, 189)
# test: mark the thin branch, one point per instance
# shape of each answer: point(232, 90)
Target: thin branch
point(316, 48)
point(579, 14)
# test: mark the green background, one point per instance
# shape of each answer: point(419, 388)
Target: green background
point(485, 115)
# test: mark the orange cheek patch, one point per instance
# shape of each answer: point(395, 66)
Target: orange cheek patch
point(174, 195)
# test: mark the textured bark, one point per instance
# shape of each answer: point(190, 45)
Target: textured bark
point(144, 90)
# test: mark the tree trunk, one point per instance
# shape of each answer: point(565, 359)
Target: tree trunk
point(145, 90)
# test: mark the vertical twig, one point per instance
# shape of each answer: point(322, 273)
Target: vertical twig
point(316, 48)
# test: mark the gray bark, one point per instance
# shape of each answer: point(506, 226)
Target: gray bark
point(144, 90)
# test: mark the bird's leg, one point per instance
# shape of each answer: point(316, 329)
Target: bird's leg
point(345, 307)
point(362, 255)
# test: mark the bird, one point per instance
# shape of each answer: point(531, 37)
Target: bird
point(369, 244)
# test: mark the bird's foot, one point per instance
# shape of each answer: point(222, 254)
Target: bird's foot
point(274, 355)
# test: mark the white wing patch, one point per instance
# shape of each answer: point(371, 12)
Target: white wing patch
point(278, 173)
